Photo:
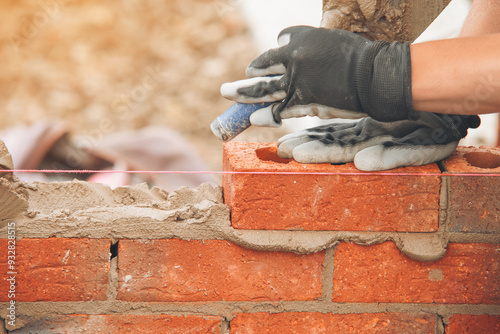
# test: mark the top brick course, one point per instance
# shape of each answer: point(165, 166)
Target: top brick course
point(325, 202)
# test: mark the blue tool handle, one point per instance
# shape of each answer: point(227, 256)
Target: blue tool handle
point(235, 120)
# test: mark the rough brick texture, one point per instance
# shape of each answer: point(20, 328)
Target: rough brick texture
point(305, 322)
point(473, 324)
point(113, 324)
point(325, 202)
point(474, 201)
point(467, 274)
point(58, 269)
point(210, 270)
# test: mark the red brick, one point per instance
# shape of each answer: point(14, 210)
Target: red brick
point(473, 324)
point(474, 200)
point(58, 269)
point(114, 324)
point(325, 202)
point(214, 270)
point(307, 322)
point(467, 274)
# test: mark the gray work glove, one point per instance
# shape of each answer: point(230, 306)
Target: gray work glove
point(375, 146)
point(330, 74)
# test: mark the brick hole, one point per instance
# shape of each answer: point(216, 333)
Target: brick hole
point(113, 250)
point(270, 154)
point(483, 159)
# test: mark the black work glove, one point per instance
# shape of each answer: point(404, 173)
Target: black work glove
point(330, 74)
point(375, 146)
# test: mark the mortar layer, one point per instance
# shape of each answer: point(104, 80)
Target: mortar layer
point(5, 157)
point(13, 197)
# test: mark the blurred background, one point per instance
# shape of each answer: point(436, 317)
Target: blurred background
point(108, 66)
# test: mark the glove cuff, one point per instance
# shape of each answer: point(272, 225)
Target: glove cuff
point(382, 79)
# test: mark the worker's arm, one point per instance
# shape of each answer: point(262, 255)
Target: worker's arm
point(457, 76)
point(465, 72)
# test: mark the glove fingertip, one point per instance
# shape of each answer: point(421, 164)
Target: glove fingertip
point(227, 90)
point(264, 117)
point(284, 152)
point(370, 159)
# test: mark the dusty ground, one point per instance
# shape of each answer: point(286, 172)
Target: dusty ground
point(135, 63)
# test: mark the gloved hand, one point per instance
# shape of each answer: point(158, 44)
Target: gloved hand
point(330, 74)
point(376, 146)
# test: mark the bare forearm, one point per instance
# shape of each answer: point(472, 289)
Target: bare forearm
point(461, 75)
point(457, 76)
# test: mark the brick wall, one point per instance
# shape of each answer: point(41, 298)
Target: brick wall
point(364, 253)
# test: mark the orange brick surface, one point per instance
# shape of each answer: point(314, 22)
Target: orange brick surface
point(473, 324)
point(325, 202)
point(213, 270)
point(474, 200)
point(114, 324)
point(467, 274)
point(306, 322)
point(58, 269)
